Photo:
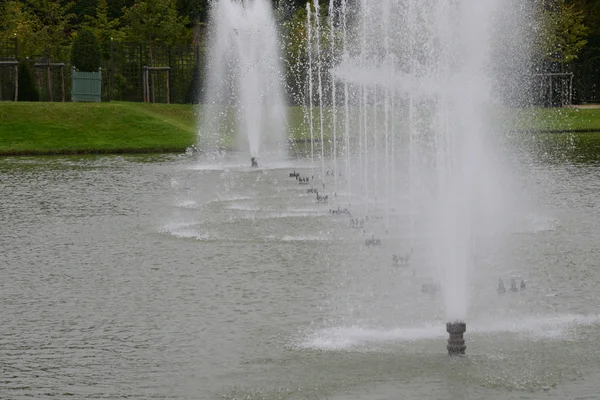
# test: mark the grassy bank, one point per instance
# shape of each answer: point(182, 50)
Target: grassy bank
point(77, 128)
point(117, 127)
point(550, 120)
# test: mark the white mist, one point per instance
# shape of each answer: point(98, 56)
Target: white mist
point(243, 97)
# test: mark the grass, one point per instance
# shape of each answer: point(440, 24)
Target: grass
point(551, 120)
point(79, 128)
point(119, 127)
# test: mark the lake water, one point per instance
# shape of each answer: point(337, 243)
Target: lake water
point(162, 277)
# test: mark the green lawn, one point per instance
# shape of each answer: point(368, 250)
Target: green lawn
point(47, 128)
point(550, 119)
point(119, 127)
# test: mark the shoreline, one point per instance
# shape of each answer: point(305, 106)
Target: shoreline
point(54, 129)
point(182, 150)
point(36, 153)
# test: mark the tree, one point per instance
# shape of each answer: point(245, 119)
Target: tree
point(117, 7)
point(14, 21)
point(154, 22)
point(194, 10)
point(83, 9)
point(562, 33)
point(295, 58)
point(27, 89)
point(43, 27)
point(295, 37)
point(85, 52)
point(103, 27)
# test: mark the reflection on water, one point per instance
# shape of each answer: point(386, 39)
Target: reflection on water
point(152, 277)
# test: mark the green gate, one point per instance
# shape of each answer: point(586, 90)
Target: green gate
point(86, 86)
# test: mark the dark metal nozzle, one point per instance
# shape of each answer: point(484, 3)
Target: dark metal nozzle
point(456, 341)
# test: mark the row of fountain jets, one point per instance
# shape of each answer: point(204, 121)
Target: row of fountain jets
point(403, 86)
point(456, 344)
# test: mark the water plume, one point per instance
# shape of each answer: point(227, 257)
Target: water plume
point(244, 104)
point(416, 80)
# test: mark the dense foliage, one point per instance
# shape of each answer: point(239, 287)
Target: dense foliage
point(27, 89)
point(85, 52)
point(567, 31)
point(47, 27)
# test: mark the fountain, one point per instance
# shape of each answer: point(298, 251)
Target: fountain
point(415, 84)
point(244, 105)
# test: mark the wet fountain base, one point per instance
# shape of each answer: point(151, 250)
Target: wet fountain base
point(456, 341)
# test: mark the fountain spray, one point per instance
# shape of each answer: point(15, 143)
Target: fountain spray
point(418, 77)
point(244, 80)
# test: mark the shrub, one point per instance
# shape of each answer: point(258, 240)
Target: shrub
point(194, 92)
point(27, 89)
point(85, 53)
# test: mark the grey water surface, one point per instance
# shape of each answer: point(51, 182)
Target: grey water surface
point(162, 277)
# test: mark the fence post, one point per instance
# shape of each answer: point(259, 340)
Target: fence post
point(111, 81)
point(168, 87)
point(143, 74)
point(148, 86)
point(16, 82)
point(38, 81)
point(62, 79)
point(49, 80)
point(169, 77)
point(571, 90)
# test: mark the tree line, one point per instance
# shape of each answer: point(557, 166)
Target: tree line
point(566, 37)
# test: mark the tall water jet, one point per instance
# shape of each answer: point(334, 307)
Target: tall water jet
point(309, 50)
point(320, 81)
point(333, 91)
point(421, 75)
point(243, 96)
point(344, 17)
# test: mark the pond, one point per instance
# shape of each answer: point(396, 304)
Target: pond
point(167, 277)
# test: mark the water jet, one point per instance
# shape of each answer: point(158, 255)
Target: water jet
point(420, 154)
point(244, 80)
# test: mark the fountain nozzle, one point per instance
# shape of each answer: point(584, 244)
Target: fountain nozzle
point(456, 342)
point(254, 162)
